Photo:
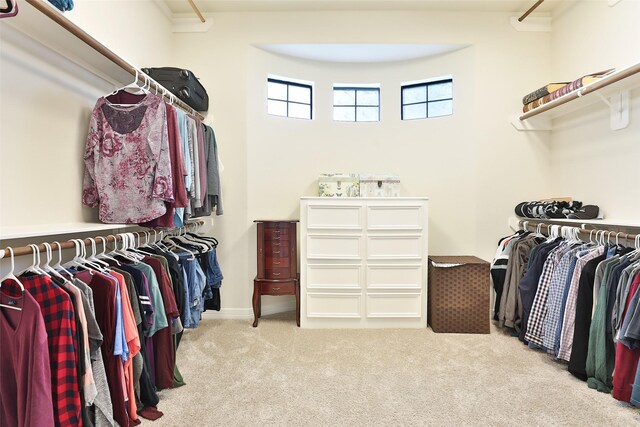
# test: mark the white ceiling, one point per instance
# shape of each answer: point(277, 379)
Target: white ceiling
point(359, 52)
point(362, 53)
point(212, 6)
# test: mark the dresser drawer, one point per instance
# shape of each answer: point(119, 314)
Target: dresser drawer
point(277, 240)
point(286, 288)
point(274, 233)
point(383, 304)
point(272, 262)
point(276, 245)
point(280, 251)
point(277, 273)
point(336, 305)
point(384, 247)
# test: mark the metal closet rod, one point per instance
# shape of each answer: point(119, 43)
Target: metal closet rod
point(531, 226)
point(58, 18)
point(27, 250)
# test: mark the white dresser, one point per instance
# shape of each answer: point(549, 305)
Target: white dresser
point(363, 262)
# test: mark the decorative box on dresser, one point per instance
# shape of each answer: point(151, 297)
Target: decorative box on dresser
point(363, 262)
point(277, 259)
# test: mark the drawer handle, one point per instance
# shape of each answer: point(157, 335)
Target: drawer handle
point(276, 289)
point(276, 244)
point(277, 274)
point(276, 263)
point(276, 252)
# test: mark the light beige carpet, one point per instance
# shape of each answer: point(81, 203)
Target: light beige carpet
point(278, 374)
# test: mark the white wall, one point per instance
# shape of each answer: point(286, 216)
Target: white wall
point(474, 166)
point(49, 84)
point(137, 30)
point(590, 162)
point(46, 100)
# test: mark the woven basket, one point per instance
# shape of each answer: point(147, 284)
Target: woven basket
point(459, 295)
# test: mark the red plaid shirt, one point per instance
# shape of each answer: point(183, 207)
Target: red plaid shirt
point(59, 321)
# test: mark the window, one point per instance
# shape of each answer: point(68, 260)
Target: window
point(427, 99)
point(356, 104)
point(289, 99)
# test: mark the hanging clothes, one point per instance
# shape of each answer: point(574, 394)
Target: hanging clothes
point(111, 325)
point(25, 389)
point(584, 308)
point(59, 320)
point(529, 283)
point(180, 199)
point(127, 163)
point(628, 346)
point(499, 268)
point(102, 408)
point(580, 303)
point(105, 290)
point(213, 197)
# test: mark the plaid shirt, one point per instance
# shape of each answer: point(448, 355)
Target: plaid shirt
point(59, 321)
point(559, 281)
point(535, 324)
point(569, 321)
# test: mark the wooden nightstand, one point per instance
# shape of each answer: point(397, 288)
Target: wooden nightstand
point(277, 264)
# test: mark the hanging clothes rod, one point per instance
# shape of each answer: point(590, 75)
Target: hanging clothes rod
point(27, 250)
point(48, 10)
point(197, 11)
point(531, 9)
point(583, 232)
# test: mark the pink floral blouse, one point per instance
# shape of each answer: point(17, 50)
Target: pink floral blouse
point(127, 166)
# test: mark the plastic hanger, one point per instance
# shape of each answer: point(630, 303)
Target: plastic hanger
point(123, 252)
point(132, 87)
point(173, 245)
point(86, 261)
point(132, 245)
point(75, 260)
point(158, 242)
point(79, 260)
point(11, 10)
point(13, 278)
point(184, 239)
point(46, 267)
point(35, 263)
point(93, 257)
point(58, 266)
point(210, 242)
point(103, 254)
point(36, 253)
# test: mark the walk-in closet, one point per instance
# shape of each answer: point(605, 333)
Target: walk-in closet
point(309, 212)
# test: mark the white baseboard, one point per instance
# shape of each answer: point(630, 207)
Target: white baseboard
point(281, 306)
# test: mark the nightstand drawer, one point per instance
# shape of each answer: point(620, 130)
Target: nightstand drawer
point(286, 288)
point(277, 273)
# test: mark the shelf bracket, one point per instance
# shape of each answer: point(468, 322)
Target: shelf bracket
point(535, 123)
point(619, 108)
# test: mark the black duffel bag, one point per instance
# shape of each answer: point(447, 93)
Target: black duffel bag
point(183, 84)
